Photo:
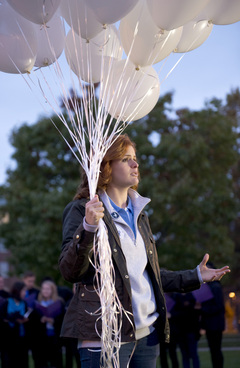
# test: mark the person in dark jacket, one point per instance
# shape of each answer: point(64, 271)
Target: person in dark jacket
point(29, 279)
point(4, 295)
point(213, 322)
point(32, 291)
point(186, 315)
point(17, 326)
point(138, 281)
point(3, 333)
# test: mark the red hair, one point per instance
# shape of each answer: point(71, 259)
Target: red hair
point(116, 152)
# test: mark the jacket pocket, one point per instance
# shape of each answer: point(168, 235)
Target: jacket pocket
point(90, 311)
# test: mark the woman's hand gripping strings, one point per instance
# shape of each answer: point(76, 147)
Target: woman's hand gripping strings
point(211, 274)
point(94, 211)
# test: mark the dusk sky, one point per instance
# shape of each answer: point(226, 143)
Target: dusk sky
point(211, 70)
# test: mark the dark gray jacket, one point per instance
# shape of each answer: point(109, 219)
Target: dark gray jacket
point(80, 318)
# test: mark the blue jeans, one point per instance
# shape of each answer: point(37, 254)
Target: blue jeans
point(188, 345)
point(144, 354)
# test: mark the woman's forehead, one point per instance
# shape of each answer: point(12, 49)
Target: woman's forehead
point(130, 150)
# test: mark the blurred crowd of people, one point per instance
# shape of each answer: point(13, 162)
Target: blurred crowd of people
point(30, 321)
point(190, 316)
point(31, 318)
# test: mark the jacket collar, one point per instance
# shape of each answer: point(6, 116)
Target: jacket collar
point(138, 202)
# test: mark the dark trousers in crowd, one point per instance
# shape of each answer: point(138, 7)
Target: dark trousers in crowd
point(188, 345)
point(71, 353)
point(50, 353)
point(215, 345)
point(17, 353)
point(3, 358)
point(171, 350)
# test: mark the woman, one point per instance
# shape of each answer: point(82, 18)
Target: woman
point(138, 281)
point(48, 312)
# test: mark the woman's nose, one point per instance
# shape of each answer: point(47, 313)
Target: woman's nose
point(134, 163)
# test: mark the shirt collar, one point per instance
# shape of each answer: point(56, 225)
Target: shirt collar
point(118, 209)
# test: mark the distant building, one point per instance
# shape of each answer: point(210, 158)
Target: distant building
point(4, 253)
point(4, 265)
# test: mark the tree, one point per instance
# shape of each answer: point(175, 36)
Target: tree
point(186, 166)
point(43, 182)
point(187, 173)
point(232, 111)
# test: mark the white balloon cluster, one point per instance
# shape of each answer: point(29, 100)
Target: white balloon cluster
point(108, 41)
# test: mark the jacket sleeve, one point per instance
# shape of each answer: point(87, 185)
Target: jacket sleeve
point(180, 281)
point(77, 243)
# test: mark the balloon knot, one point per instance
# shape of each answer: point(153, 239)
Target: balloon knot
point(46, 62)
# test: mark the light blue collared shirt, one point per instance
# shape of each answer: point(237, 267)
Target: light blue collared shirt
point(126, 214)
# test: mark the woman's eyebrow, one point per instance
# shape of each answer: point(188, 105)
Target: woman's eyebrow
point(134, 157)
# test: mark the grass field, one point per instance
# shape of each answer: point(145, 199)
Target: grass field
point(231, 359)
point(231, 352)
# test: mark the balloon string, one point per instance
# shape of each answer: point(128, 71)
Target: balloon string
point(175, 65)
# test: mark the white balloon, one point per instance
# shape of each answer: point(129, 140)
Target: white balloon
point(18, 41)
point(51, 38)
point(37, 11)
point(171, 14)
point(111, 43)
point(110, 11)
point(131, 92)
point(142, 40)
point(88, 58)
point(80, 18)
point(194, 35)
point(221, 12)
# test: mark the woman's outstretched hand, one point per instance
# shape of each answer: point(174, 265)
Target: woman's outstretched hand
point(211, 274)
